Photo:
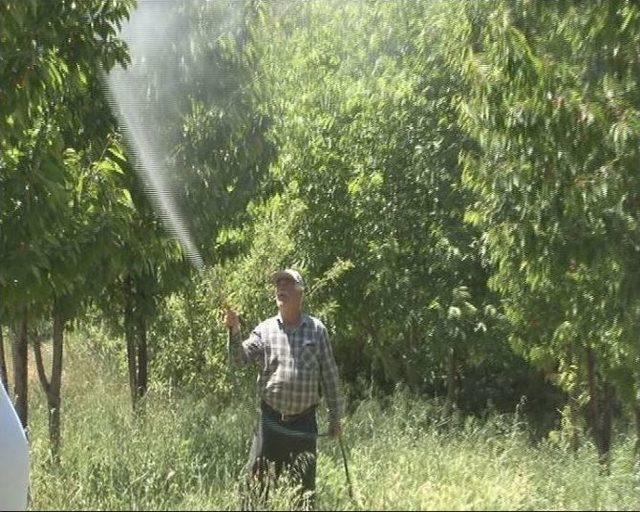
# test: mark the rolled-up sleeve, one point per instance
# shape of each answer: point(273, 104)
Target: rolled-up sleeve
point(244, 352)
point(329, 378)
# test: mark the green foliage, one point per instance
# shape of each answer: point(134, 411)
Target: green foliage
point(368, 143)
point(52, 47)
point(51, 58)
point(191, 79)
point(551, 97)
point(456, 181)
point(189, 333)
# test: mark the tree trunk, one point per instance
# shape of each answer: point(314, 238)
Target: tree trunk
point(52, 388)
point(4, 379)
point(129, 334)
point(42, 374)
point(593, 396)
point(574, 404)
point(606, 424)
point(452, 382)
point(142, 357)
point(20, 351)
point(601, 411)
point(54, 397)
point(413, 376)
point(574, 414)
point(637, 411)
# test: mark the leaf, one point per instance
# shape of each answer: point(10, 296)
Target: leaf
point(454, 312)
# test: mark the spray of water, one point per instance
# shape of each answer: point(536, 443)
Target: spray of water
point(153, 95)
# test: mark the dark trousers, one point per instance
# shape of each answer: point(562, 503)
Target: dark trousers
point(283, 445)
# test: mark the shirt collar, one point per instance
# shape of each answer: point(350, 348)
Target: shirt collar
point(303, 320)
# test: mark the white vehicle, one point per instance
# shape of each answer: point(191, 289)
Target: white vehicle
point(14, 457)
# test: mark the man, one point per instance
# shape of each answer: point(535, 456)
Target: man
point(296, 359)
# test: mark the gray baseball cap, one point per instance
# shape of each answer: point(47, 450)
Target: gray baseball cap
point(289, 273)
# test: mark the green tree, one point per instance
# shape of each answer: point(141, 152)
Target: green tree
point(47, 50)
point(359, 94)
point(199, 93)
point(552, 104)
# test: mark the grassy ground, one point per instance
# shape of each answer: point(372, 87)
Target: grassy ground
point(188, 454)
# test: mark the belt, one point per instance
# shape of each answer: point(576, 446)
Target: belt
point(287, 418)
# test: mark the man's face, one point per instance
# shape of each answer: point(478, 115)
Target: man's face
point(287, 294)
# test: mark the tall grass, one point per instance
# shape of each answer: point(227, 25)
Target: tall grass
point(188, 453)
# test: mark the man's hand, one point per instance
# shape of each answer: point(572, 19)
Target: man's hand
point(232, 321)
point(335, 430)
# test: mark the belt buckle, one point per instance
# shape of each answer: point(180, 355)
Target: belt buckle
point(287, 418)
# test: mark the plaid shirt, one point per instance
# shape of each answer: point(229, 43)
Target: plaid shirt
point(295, 362)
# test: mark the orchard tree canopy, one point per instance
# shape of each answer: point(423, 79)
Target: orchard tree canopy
point(457, 181)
